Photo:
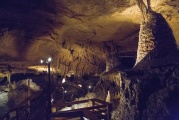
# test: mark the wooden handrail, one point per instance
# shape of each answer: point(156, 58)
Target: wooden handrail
point(77, 102)
point(101, 101)
point(69, 103)
point(82, 101)
point(20, 106)
point(89, 115)
point(86, 108)
point(67, 114)
point(101, 110)
point(72, 114)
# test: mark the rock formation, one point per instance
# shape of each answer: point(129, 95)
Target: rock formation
point(155, 37)
point(99, 38)
point(151, 92)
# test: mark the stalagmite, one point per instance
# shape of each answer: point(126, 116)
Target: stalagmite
point(108, 98)
point(9, 79)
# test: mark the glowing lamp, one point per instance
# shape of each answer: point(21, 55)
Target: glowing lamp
point(49, 59)
point(79, 85)
point(63, 81)
point(41, 61)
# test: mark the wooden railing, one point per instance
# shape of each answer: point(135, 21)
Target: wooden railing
point(21, 111)
point(99, 110)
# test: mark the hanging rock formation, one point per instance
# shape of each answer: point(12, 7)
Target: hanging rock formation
point(151, 92)
point(156, 38)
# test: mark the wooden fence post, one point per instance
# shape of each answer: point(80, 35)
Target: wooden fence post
point(109, 111)
point(17, 114)
point(28, 95)
point(93, 103)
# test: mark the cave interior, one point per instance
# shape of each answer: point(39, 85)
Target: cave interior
point(124, 52)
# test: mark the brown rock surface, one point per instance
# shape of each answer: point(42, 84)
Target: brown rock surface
point(77, 34)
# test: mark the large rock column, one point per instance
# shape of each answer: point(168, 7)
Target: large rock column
point(151, 93)
point(156, 38)
point(112, 59)
point(111, 62)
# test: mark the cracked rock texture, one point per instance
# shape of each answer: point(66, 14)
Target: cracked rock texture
point(152, 95)
point(156, 39)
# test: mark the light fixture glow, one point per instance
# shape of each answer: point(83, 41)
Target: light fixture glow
point(79, 85)
point(41, 61)
point(89, 86)
point(52, 100)
point(63, 81)
point(49, 59)
point(65, 91)
point(85, 118)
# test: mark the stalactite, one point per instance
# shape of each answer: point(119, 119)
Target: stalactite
point(76, 71)
point(64, 73)
point(57, 63)
point(69, 67)
point(74, 59)
point(156, 39)
point(82, 71)
point(112, 59)
point(143, 9)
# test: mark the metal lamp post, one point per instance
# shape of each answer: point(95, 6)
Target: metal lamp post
point(49, 91)
point(49, 108)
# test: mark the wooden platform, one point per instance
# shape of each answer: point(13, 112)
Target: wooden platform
point(62, 118)
point(99, 110)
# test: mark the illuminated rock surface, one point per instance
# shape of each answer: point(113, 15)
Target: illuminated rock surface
point(80, 36)
point(103, 38)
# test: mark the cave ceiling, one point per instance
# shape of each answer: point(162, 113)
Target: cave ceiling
point(77, 34)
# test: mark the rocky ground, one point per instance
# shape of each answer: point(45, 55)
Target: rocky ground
point(148, 94)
